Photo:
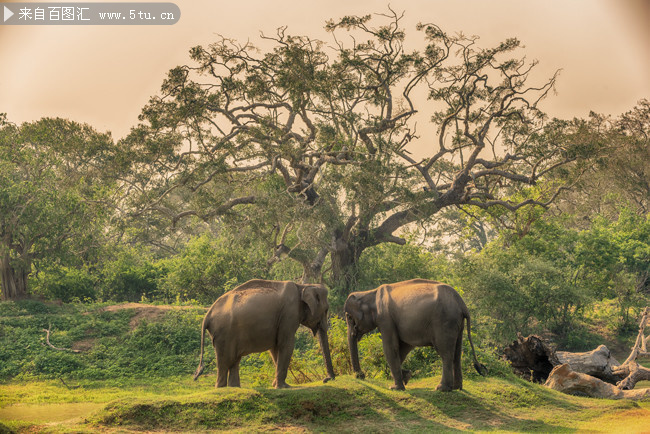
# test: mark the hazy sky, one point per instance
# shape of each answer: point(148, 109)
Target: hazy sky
point(103, 75)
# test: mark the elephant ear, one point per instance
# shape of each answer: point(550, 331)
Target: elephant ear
point(355, 309)
point(310, 298)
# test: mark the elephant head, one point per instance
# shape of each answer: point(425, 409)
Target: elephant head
point(314, 316)
point(360, 313)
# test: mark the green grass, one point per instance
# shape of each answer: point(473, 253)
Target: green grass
point(346, 404)
point(135, 374)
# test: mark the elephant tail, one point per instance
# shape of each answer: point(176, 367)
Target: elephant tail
point(480, 368)
point(199, 370)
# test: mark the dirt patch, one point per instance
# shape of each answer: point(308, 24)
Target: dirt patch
point(84, 344)
point(147, 312)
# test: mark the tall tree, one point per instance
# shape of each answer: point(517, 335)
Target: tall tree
point(49, 194)
point(315, 146)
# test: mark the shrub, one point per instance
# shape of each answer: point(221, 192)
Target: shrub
point(510, 291)
point(207, 268)
point(66, 284)
point(130, 276)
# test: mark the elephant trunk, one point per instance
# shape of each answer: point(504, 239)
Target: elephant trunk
point(354, 351)
point(325, 347)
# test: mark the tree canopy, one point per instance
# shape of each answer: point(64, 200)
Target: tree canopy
point(50, 195)
point(314, 145)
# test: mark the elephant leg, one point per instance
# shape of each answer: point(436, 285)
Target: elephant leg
point(404, 350)
point(458, 372)
point(233, 374)
point(222, 372)
point(274, 358)
point(222, 366)
point(392, 353)
point(446, 346)
point(284, 352)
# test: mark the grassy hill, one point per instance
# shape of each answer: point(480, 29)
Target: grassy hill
point(347, 404)
point(134, 374)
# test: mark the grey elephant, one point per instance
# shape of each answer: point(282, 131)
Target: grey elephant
point(410, 314)
point(262, 315)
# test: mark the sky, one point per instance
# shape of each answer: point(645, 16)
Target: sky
point(104, 75)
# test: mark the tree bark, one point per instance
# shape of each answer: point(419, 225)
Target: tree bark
point(531, 358)
point(632, 373)
point(595, 373)
point(598, 363)
point(565, 380)
point(345, 257)
point(14, 281)
point(312, 272)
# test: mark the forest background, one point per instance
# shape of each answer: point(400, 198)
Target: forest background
point(311, 161)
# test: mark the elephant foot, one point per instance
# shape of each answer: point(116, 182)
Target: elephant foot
point(282, 386)
point(397, 387)
point(406, 376)
point(441, 387)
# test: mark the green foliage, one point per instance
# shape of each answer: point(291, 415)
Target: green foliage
point(614, 257)
point(206, 268)
point(547, 279)
point(521, 293)
point(115, 344)
point(52, 194)
point(66, 284)
point(386, 263)
point(130, 275)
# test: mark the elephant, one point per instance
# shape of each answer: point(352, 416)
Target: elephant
point(262, 315)
point(410, 314)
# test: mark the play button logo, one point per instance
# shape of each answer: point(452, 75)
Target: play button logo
point(8, 14)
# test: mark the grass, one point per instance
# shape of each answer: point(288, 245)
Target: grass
point(134, 374)
point(346, 404)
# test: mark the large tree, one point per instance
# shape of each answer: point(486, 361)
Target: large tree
point(314, 145)
point(50, 195)
point(620, 175)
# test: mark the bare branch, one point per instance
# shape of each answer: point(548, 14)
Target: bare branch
point(47, 340)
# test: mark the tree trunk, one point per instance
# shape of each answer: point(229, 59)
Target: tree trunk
point(531, 358)
point(583, 373)
point(345, 258)
point(312, 272)
point(631, 373)
point(565, 380)
point(14, 281)
point(598, 363)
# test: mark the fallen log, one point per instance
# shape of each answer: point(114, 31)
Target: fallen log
point(598, 363)
point(532, 358)
point(631, 373)
point(594, 373)
point(562, 378)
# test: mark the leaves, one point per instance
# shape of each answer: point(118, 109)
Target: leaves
point(53, 184)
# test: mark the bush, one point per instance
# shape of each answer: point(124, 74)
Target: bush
point(388, 263)
point(206, 269)
point(65, 284)
point(510, 291)
point(130, 276)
